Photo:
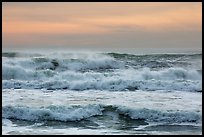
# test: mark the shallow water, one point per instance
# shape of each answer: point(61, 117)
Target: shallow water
point(101, 112)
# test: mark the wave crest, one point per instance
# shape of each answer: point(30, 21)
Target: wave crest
point(76, 113)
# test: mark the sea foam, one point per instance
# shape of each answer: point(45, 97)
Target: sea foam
point(82, 71)
point(76, 113)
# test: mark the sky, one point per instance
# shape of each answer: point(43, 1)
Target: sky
point(102, 25)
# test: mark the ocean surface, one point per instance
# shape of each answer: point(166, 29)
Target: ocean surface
point(95, 92)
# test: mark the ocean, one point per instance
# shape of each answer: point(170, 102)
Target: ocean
point(101, 93)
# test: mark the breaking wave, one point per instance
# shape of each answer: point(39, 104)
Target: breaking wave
point(126, 79)
point(77, 113)
point(102, 71)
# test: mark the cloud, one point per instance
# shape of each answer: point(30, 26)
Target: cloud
point(94, 23)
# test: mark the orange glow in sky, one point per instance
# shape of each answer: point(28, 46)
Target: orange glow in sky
point(60, 23)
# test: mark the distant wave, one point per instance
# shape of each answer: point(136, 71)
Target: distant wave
point(18, 54)
point(133, 56)
point(102, 71)
point(112, 54)
point(77, 113)
point(99, 61)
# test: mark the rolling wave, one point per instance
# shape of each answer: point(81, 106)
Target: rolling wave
point(102, 71)
point(77, 113)
point(126, 79)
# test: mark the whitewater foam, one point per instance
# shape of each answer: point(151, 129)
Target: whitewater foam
point(123, 79)
point(60, 113)
point(100, 92)
point(76, 113)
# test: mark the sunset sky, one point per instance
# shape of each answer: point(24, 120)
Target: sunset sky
point(102, 24)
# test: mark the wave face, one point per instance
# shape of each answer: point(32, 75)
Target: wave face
point(52, 113)
point(77, 113)
point(102, 71)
